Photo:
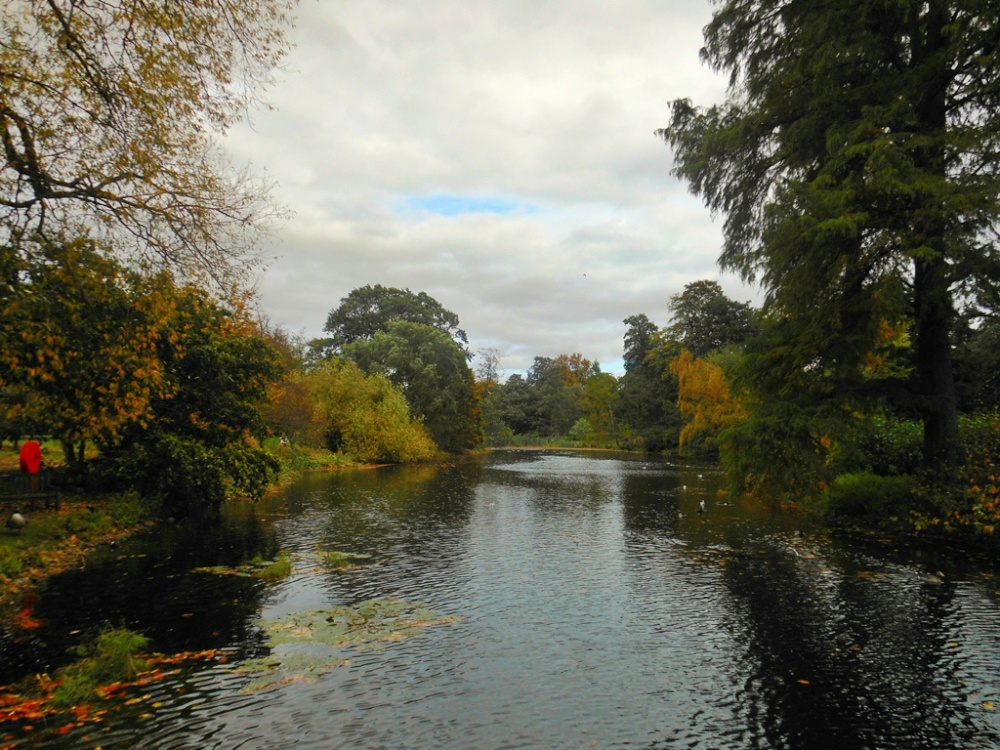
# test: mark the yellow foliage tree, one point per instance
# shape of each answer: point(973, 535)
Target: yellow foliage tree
point(367, 417)
point(704, 398)
point(107, 116)
point(601, 402)
point(79, 338)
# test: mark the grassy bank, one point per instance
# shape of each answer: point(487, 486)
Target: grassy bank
point(55, 540)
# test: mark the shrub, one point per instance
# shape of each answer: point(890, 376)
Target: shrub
point(889, 446)
point(10, 564)
point(870, 499)
point(368, 417)
point(191, 476)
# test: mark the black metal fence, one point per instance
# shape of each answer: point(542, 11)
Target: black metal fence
point(32, 490)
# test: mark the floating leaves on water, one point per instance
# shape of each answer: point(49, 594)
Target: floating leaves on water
point(269, 570)
point(307, 644)
point(339, 560)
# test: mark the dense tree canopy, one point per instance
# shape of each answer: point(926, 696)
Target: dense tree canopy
point(370, 309)
point(366, 417)
point(705, 319)
point(433, 374)
point(79, 341)
point(855, 162)
point(418, 345)
point(202, 441)
point(648, 389)
point(107, 110)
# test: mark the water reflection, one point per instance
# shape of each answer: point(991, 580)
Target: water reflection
point(600, 608)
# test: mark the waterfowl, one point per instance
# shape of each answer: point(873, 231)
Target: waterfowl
point(701, 506)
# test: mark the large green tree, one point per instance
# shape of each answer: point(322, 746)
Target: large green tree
point(705, 319)
point(434, 375)
point(370, 309)
point(556, 395)
point(648, 389)
point(855, 162)
point(107, 116)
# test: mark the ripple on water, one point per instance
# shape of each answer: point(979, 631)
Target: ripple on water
point(598, 609)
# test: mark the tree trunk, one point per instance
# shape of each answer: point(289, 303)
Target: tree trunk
point(934, 366)
point(932, 292)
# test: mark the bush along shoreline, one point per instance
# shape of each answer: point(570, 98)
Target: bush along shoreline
point(890, 494)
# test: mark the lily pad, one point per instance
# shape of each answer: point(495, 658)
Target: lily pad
point(307, 644)
point(269, 570)
point(336, 559)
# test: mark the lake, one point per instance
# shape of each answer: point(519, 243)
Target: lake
point(566, 600)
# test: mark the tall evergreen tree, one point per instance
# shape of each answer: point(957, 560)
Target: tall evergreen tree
point(855, 161)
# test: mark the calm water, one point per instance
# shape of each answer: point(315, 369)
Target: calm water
point(599, 609)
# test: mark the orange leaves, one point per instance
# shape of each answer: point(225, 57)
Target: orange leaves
point(704, 397)
point(575, 368)
point(14, 707)
point(23, 619)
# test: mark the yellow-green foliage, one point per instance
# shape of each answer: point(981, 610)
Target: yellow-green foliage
point(367, 417)
point(276, 569)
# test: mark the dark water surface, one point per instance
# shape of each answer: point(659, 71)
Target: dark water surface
point(598, 608)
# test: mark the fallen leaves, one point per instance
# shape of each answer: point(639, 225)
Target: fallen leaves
point(27, 707)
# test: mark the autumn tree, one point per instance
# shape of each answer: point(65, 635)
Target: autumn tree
point(108, 112)
point(706, 400)
point(290, 410)
point(79, 344)
point(855, 163)
point(576, 368)
point(202, 443)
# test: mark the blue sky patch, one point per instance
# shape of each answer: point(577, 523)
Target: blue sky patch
point(446, 204)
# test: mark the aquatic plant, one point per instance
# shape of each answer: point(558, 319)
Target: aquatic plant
point(307, 644)
point(268, 570)
point(336, 560)
point(277, 569)
point(110, 657)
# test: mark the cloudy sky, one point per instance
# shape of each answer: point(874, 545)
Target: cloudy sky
point(496, 154)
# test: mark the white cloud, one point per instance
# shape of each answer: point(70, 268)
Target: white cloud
point(539, 115)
